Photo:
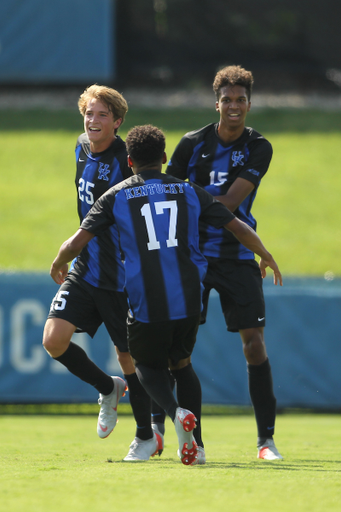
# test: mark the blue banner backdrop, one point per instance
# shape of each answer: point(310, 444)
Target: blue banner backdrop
point(59, 42)
point(302, 337)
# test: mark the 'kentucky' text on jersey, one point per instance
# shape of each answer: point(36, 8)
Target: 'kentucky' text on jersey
point(163, 264)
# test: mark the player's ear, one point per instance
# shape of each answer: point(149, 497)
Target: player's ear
point(249, 106)
point(130, 162)
point(217, 106)
point(164, 158)
point(117, 123)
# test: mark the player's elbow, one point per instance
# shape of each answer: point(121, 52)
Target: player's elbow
point(238, 228)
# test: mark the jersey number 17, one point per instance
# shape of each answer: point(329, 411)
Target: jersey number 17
point(160, 208)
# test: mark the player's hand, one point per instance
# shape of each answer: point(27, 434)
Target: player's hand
point(59, 274)
point(270, 262)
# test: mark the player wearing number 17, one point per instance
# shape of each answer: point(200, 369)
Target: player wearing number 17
point(157, 217)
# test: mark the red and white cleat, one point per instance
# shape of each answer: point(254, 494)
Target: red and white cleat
point(268, 451)
point(140, 450)
point(185, 423)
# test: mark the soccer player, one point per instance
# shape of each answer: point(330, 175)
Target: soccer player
point(157, 221)
point(93, 291)
point(229, 160)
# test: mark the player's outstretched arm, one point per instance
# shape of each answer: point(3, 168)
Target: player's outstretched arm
point(248, 237)
point(68, 250)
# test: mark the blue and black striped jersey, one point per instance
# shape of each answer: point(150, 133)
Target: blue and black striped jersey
point(157, 218)
point(203, 158)
point(100, 262)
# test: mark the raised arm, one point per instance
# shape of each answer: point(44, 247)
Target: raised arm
point(248, 237)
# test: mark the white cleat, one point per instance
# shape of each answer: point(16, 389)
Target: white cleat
point(185, 423)
point(268, 451)
point(107, 417)
point(142, 450)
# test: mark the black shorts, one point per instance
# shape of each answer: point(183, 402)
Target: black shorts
point(240, 288)
point(86, 307)
point(154, 344)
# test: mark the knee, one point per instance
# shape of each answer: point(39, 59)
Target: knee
point(54, 342)
point(51, 346)
point(254, 347)
point(54, 346)
point(48, 341)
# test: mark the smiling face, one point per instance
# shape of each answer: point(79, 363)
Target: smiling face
point(233, 106)
point(100, 125)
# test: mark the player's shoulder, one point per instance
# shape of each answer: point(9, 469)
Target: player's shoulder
point(201, 133)
point(252, 135)
point(132, 181)
point(109, 196)
point(200, 193)
point(118, 151)
point(255, 142)
point(119, 144)
point(84, 142)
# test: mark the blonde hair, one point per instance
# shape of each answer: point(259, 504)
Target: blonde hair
point(110, 97)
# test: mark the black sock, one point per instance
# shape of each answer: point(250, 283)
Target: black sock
point(78, 363)
point(188, 391)
point(158, 414)
point(157, 385)
point(262, 397)
point(141, 405)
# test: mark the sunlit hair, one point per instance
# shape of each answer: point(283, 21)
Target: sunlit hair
point(233, 75)
point(106, 95)
point(145, 144)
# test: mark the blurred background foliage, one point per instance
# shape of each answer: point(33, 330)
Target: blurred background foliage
point(289, 44)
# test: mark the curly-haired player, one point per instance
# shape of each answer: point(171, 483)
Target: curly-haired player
point(229, 160)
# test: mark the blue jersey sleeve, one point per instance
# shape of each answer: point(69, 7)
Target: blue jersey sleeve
point(257, 164)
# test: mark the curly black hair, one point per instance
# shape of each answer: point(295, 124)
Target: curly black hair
point(233, 75)
point(145, 144)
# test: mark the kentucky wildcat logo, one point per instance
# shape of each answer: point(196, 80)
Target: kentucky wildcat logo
point(237, 158)
point(103, 171)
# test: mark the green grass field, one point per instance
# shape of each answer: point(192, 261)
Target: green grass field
point(54, 463)
point(296, 207)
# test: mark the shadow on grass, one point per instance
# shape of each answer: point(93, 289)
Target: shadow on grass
point(297, 465)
